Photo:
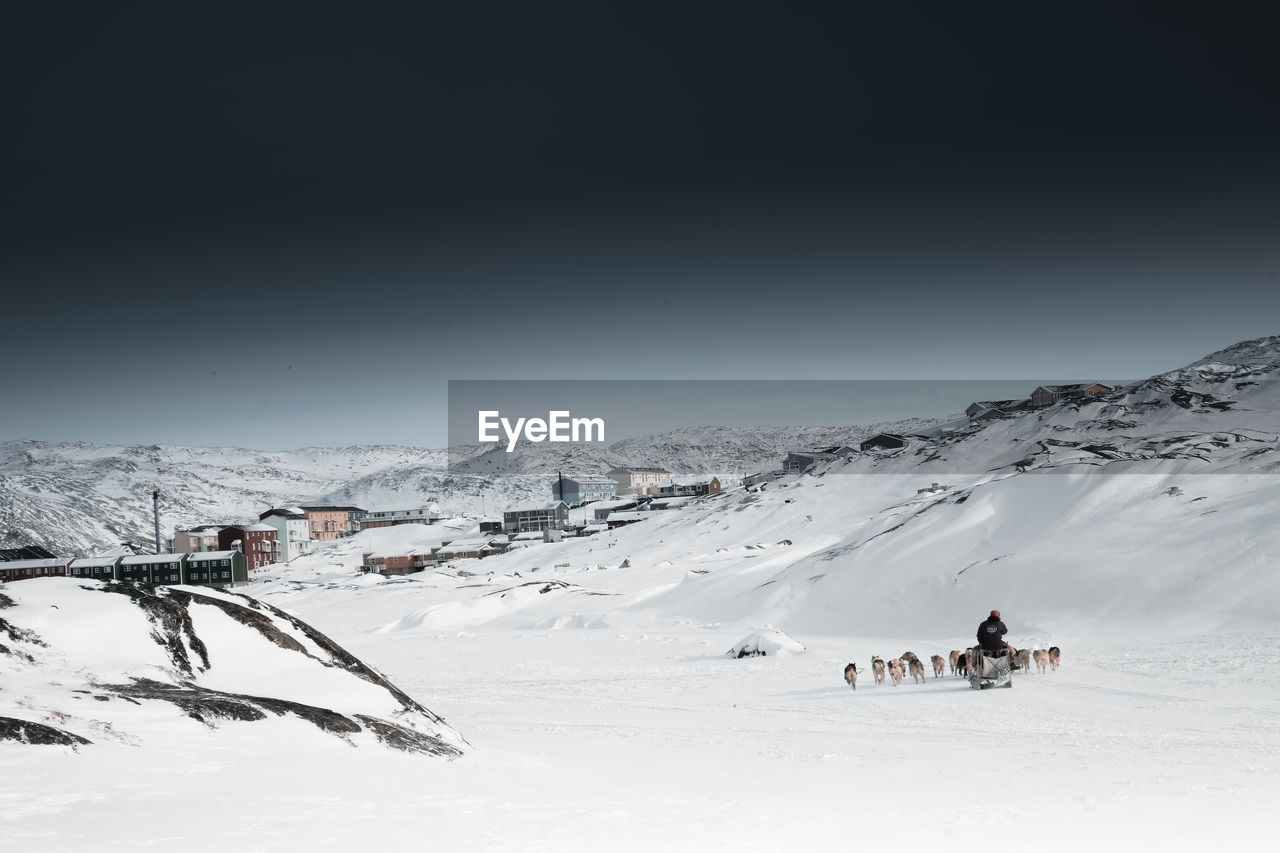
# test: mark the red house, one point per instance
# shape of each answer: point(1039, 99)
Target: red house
point(260, 543)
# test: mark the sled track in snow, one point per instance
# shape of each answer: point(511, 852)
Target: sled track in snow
point(1168, 697)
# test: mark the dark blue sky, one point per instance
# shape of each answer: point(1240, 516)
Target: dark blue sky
point(293, 225)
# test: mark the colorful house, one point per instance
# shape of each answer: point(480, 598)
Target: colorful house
point(18, 570)
point(293, 531)
point(258, 542)
point(638, 481)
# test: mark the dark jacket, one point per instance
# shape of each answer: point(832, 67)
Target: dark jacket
point(990, 633)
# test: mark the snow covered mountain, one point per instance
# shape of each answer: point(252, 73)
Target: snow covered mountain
point(179, 660)
point(78, 498)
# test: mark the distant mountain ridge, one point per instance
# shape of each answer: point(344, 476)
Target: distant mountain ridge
point(77, 498)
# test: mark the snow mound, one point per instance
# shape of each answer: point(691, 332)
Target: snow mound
point(767, 642)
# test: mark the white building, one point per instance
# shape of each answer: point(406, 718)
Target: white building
point(293, 529)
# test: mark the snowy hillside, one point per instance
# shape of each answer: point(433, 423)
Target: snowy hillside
point(88, 663)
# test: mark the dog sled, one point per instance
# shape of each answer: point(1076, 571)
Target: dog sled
point(991, 668)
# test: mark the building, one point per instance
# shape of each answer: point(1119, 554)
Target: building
point(689, 486)
point(582, 488)
point(760, 478)
point(799, 461)
point(19, 570)
point(217, 568)
point(293, 531)
point(1047, 395)
point(202, 568)
point(330, 522)
point(461, 550)
point(102, 568)
point(670, 502)
point(985, 410)
point(152, 568)
point(389, 563)
point(393, 517)
point(883, 441)
point(555, 516)
point(203, 537)
point(621, 518)
point(258, 542)
point(600, 511)
point(637, 481)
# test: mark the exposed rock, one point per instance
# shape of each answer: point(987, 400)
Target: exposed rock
point(25, 731)
point(168, 614)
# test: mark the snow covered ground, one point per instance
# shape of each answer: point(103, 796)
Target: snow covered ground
point(604, 713)
point(591, 680)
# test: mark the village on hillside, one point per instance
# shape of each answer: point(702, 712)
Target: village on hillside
point(225, 555)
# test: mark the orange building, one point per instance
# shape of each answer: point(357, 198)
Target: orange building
point(330, 522)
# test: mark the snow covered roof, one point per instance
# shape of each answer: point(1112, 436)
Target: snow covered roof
point(201, 530)
point(685, 481)
point(812, 454)
point(291, 514)
point(213, 555)
point(256, 527)
point(547, 508)
point(629, 515)
point(385, 555)
point(528, 534)
point(143, 559)
point(583, 479)
point(56, 562)
point(87, 562)
point(463, 545)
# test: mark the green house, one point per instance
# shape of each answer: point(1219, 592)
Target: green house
point(94, 568)
point(203, 568)
point(152, 568)
point(216, 568)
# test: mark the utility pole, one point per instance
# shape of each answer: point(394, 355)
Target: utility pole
point(155, 506)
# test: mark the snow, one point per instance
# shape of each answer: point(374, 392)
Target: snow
point(767, 642)
point(591, 678)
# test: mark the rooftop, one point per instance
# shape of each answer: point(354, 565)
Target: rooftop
point(51, 563)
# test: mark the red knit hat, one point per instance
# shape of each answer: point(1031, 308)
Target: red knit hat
point(995, 614)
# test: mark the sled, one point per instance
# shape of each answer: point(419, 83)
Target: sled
point(992, 669)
